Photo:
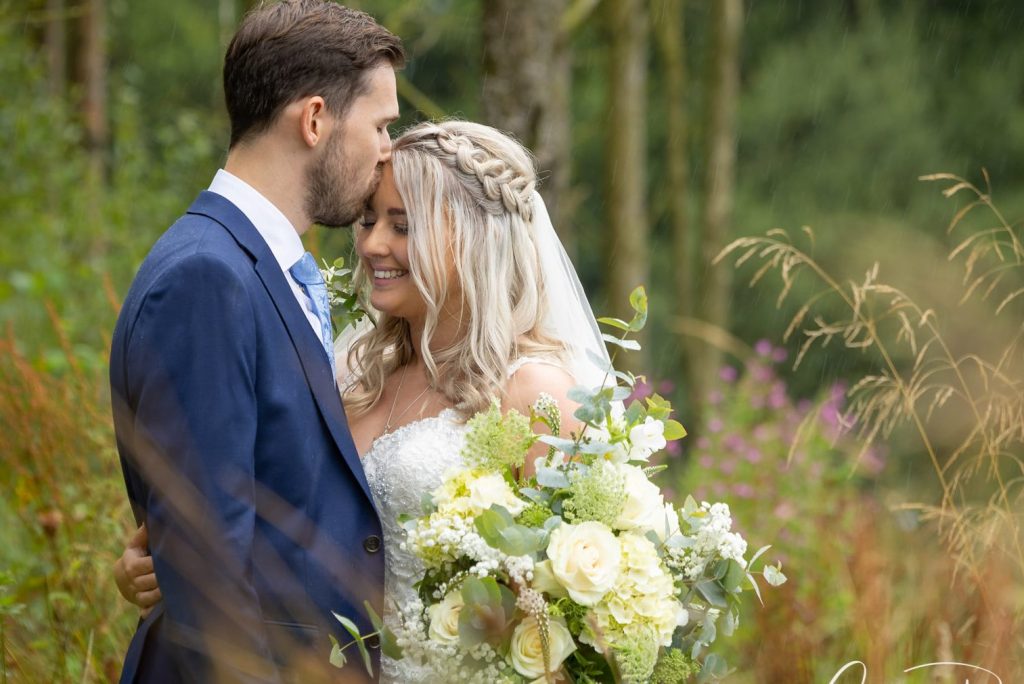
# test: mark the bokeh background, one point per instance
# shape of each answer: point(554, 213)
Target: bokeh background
point(885, 467)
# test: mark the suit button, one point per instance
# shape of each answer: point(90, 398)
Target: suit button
point(372, 544)
point(373, 642)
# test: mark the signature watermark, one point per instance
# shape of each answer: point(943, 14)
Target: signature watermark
point(864, 670)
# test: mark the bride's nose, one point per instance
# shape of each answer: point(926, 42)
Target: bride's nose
point(373, 242)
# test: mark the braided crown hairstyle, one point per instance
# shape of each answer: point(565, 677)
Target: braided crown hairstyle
point(468, 192)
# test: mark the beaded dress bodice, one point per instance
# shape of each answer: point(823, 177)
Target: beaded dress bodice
point(401, 467)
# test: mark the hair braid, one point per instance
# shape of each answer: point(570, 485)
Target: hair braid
point(509, 188)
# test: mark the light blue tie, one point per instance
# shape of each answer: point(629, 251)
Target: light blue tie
point(308, 275)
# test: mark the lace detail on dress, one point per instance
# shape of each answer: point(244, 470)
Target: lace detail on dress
point(401, 467)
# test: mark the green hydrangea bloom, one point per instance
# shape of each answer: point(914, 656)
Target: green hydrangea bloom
point(497, 442)
point(674, 667)
point(635, 657)
point(598, 494)
point(535, 515)
point(575, 615)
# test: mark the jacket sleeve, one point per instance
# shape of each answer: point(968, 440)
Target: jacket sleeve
point(191, 377)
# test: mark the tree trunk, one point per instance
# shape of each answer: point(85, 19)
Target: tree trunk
point(56, 40)
point(526, 89)
point(719, 181)
point(668, 28)
point(626, 164)
point(94, 81)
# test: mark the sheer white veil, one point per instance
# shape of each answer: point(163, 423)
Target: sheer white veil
point(569, 317)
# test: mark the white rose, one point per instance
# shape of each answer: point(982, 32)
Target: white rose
point(487, 490)
point(664, 522)
point(444, 619)
point(585, 559)
point(646, 438)
point(644, 502)
point(527, 649)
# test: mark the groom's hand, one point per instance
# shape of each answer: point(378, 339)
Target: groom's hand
point(134, 573)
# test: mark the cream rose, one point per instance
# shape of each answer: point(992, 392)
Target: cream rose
point(444, 619)
point(527, 649)
point(585, 559)
point(644, 502)
point(487, 490)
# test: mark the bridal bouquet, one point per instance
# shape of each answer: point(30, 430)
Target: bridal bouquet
point(582, 572)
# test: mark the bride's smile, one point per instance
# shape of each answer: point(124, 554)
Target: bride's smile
point(382, 244)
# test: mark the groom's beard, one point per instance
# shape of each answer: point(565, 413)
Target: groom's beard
point(334, 197)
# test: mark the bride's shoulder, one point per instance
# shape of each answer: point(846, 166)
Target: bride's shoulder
point(529, 377)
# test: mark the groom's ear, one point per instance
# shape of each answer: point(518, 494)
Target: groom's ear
point(314, 120)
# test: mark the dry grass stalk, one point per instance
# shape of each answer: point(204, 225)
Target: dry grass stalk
point(923, 381)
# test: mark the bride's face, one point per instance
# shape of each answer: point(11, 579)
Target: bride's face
point(382, 243)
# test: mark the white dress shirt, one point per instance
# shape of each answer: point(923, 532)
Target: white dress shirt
point(275, 229)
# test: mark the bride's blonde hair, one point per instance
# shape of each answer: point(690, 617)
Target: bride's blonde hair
point(468, 194)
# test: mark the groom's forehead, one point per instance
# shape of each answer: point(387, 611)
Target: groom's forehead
point(381, 92)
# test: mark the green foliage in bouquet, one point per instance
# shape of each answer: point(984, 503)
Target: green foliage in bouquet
point(581, 571)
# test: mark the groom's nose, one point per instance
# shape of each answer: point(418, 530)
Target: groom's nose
point(385, 146)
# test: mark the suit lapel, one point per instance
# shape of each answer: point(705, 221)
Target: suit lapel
point(314, 362)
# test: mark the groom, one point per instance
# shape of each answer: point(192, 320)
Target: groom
point(235, 449)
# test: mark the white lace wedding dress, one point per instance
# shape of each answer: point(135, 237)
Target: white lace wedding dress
point(401, 467)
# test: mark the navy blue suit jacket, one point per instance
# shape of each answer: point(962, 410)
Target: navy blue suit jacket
point(237, 455)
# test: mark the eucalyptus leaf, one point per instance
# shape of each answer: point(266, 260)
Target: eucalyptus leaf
point(338, 658)
point(566, 446)
point(773, 575)
point(600, 361)
point(614, 322)
point(712, 593)
point(733, 577)
point(630, 345)
point(353, 629)
point(582, 394)
point(552, 478)
point(635, 413)
point(758, 554)
point(714, 669)
point(519, 540)
point(757, 589)
point(620, 393)
point(535, 495)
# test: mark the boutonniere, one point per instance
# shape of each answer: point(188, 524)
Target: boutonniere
point(346, 309)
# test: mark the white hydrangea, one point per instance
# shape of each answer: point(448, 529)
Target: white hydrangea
point(643, 598)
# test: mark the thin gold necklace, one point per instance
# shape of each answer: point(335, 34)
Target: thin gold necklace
point(387, 423)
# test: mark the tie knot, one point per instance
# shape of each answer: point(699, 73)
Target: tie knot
point(305, 271)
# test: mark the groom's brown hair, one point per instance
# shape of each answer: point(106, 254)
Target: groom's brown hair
point(298, 48)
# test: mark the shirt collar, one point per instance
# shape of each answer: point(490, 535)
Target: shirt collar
point(272, 225)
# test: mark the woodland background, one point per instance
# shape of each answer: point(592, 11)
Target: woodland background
point(885, 467)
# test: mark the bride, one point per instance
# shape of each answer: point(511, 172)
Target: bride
point(475, 299)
